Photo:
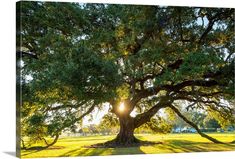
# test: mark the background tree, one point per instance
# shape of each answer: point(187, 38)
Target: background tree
point(136, 58)
point(212, 123)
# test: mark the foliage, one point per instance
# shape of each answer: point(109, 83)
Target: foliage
point(80, 56)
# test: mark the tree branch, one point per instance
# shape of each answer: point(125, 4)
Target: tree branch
point(66, 106)
point(53, 142)
point(202, 83)
point(23, 53)
point(79, 118)
point(69, 124)
point(193, 125)
point(146, 116)
point(182, 94)
point(175, 65)
point(143, 93)
point(218, 16)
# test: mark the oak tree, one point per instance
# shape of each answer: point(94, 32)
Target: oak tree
point(141, 59)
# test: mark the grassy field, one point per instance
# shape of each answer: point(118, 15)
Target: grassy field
point(171, 143)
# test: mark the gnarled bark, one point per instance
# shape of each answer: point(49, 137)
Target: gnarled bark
point(128, 124)
point(125, 136)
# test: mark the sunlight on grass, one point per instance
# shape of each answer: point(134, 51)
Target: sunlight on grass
point(170, 143)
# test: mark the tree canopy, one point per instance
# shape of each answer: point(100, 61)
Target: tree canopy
point(76, 57)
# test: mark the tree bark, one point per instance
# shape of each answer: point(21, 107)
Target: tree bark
point(125, 136)
point(126, 132)
point(128, 124)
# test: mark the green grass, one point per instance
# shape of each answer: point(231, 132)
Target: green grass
point(171, 143)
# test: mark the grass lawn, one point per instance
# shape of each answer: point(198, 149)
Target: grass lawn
point(171, 143)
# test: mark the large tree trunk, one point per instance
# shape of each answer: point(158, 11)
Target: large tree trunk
point(128, 124)
point(125, 136)
point(126, 132)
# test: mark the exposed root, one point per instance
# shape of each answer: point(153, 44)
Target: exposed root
point(115, 143)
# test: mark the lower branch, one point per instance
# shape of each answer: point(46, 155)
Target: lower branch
point(194, 125)
point(53, 142)
point(146, 116)
point(77, 119)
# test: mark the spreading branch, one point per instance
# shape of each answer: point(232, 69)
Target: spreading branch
point(69, 124)
point(173, 66)
point(53, 142)
point(194, 125)
point(64, 106)
point(212, 19)
point(146, 116)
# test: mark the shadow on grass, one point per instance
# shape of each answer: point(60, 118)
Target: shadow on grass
point(184, 146)
point(68, 140)
point(35, 149)
point(102, 151)
point(87, 137)
point(170, 146)
point(189, 146)
point(83, 152)
point(127, 151)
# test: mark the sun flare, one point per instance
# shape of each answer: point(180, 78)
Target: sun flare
point(122, 107)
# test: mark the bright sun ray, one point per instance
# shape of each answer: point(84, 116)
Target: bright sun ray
point(122, 107)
